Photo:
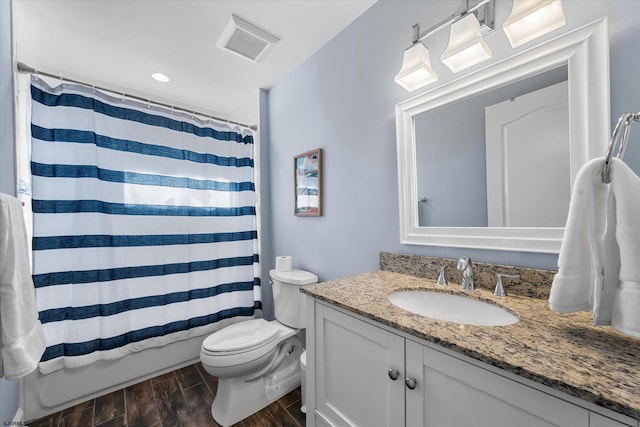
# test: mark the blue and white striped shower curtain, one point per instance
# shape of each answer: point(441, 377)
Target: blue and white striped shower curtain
point(144, 224)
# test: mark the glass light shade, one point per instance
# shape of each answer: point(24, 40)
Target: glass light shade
point(416, 71)
point(533, 18)
point(466, 45)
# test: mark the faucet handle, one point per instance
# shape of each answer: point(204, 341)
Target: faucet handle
point(442, 278)
point(499, 290)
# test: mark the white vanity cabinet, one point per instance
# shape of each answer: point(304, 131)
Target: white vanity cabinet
point(452, 392)
point(352, 382)
point(354, 362)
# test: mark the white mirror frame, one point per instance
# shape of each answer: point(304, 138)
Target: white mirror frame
point(586, 51)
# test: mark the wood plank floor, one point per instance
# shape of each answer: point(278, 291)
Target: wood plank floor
point(180, 398)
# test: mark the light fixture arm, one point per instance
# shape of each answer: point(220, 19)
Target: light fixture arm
point(487, 19)
point(416, 34)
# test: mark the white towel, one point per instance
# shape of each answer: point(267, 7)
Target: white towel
point(625, 186)
point(21, 338)
point(582, 256)
point(607, 257)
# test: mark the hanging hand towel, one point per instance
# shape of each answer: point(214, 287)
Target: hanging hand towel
point(587, 275)
point(625, 185)
point(22, 340)
point(607, 258)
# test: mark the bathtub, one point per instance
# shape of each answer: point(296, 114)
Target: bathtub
point(43, 395)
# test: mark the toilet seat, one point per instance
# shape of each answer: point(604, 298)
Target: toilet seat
point(243, 342)
point(241, 337)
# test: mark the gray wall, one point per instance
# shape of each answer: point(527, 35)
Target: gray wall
point(9, 390)
point(342, 99)
point(266, 236)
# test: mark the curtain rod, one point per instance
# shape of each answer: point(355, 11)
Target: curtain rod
point(24, 68)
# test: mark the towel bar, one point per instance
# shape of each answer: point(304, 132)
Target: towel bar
point(626, 119)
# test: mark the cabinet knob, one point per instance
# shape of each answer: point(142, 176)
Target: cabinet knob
point(411, 383)
point(393, 374)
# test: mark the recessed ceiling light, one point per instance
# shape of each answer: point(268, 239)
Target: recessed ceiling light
point(159, 77)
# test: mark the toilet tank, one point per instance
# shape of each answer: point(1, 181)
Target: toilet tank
point(288, 301)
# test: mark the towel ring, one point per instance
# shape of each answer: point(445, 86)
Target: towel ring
point(626, 119)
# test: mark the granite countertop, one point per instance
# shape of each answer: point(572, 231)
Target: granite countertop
point(562, 351)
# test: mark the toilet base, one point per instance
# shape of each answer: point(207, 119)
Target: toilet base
point(237, 398)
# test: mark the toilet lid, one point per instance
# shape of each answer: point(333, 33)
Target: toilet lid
point(294, 277)
point(241, 336)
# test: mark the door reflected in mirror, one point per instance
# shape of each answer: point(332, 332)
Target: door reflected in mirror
point(497, 159)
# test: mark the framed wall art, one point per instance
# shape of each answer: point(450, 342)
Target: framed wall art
point(307, 170)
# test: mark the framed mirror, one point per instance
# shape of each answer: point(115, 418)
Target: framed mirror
point(579, 60)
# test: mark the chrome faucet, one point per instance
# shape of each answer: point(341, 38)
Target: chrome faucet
point(464, 264)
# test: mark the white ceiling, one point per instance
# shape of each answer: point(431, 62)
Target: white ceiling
point(118, 43)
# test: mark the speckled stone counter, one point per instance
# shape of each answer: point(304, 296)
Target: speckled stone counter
point(562, 351)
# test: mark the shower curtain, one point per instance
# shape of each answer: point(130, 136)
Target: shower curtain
point(144, 224)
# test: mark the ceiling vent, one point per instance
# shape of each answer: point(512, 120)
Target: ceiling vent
point(245, 39)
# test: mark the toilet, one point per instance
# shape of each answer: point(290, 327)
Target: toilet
point(258, 361)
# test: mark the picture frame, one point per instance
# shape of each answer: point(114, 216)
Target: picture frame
point(307, 178)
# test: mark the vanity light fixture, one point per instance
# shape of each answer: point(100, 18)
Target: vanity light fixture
point(533, 18)
point(466, 45)
point(416, 70)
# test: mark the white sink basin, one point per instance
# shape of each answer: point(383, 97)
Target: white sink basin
point(452, 308)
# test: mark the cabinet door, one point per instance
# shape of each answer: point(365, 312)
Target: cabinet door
point(454, 393)
point(353, 385)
